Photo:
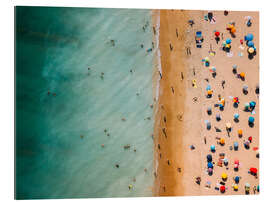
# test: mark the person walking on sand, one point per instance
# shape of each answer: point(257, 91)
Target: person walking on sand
point(172, 89)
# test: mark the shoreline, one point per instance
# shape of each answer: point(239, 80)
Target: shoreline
point(172, 96)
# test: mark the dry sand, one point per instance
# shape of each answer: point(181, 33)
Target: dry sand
point(185, 118)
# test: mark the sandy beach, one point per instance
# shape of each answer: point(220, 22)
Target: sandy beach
point(181, 108)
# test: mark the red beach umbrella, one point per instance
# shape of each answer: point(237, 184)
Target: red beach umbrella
point(236, 161)
point(222, 188)
point(217, 33)
point(253, 170)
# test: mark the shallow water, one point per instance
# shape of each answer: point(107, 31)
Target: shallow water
point(58, 138)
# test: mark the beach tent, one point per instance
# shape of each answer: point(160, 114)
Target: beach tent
point(209, 165)
point(251, 119)
point(209, 157)
point(250, 43)
point(249, 37)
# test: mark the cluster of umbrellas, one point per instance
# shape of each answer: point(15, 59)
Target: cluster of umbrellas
point(249, 107)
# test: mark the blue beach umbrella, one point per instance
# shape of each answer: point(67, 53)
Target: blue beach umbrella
point(249, 37)
point(251, 119)
point(228, 41)
point(252, 104)
point(236, 179)
point(208, 87)
point(236, 115)
point(212, 148)
point(209, 165)
point(235, 145)
point(250, 44)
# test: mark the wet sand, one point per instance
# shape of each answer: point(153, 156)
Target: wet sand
point(185, 109)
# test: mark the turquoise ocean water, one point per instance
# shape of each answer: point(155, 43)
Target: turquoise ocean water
point(59, 135)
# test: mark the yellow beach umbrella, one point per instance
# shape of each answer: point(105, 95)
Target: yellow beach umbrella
point(235, 187)
point(224, 176)
point(206, 59)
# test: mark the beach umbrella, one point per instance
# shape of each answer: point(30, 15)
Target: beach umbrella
point(209, 92)
point(222, 141)
point(251, 119)
point(224, 176)
point(228, 41)
point(209, 157)
point(230, 26)
point(245, 87)
point(210, 170)
point(253, 170)
point(246, 106)
point(217, 33)
point(218, 118)
point(252, 104)
point(236, 161)
point(235, 187)
point(235, 144)
point(209, 165)
point(228, 46)
point(237, 179)
point(235, 100)
point(208, 87)
point(213, 69)
point(242, 75)
point(206, 59)
point(228, 125)
point(251, 50)
point(222, 188)
point(212, 148)
point(240, 132)
point(247, 185)
point(258, 188)
point(223, 43)
point(236, 116)
point(225, 161)
point(233, 30)
point(249, 37)
point(250, 43)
